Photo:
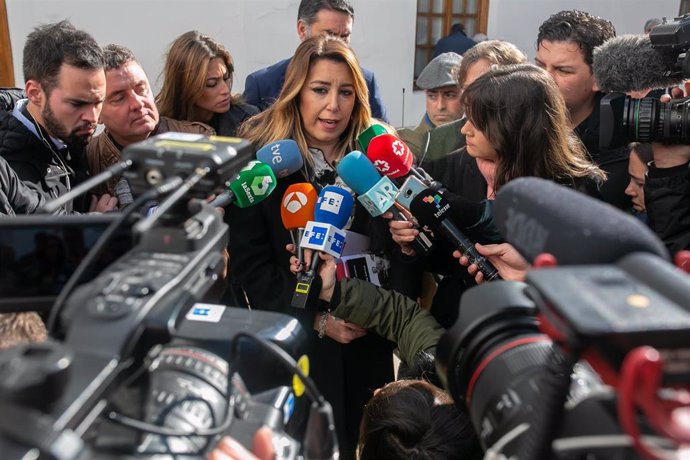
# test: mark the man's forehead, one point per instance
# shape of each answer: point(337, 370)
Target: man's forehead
point(561, 50)
point(128, 75)
point(75, 82)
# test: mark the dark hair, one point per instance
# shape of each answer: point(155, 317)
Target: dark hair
point(522, 113)
point(579, 27)
point(643, 151)
point(415, 420)
point(457, 27)
point(51, 45)
point(116, 56)
point(308, 9)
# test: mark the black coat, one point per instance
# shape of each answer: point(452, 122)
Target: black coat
point(667, 199)
point(259, 262)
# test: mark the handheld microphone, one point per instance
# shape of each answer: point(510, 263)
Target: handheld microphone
point(377, 194)
point(431, 209)
point(331, 213)
point(368, 134)
point(631, 63)
point(391, 156)
point(282, 156)
point(251, 186)
point(538, 216)
point(296, 209)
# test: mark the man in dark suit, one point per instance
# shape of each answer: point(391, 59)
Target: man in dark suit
point(456, 41)
point(314, 17)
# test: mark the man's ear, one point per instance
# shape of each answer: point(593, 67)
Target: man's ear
point(34, 92)
point(301, 30)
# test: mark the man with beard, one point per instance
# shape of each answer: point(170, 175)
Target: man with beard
point(44, 136)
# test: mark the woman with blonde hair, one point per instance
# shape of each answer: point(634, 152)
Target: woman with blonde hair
point(323, 106)
point(197, 85)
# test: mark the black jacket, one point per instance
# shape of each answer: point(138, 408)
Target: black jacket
point(37, 165)
point(227, 124)
point(15, 197)
point(667, 199)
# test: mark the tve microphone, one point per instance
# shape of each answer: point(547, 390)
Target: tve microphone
point(538, 216)
point(368, 134)
point(251, 186)
point(296, 209)
point(282, 156)
point(377, 194)
point(391, 156)
point(333, 210)
point(630, 63)
point(432, 210)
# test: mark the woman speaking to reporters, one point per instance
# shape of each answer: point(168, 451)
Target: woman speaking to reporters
point(323, 106)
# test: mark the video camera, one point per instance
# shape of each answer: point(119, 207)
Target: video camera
point(147, 366)
point(625, 119)
point(586, 361)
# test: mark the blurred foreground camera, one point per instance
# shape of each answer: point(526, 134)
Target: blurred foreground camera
point(578, 362)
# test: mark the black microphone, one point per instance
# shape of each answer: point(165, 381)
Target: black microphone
point(630, 63)
point(432, 210)
point(538, 216)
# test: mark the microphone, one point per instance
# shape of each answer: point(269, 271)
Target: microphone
point(368, 134)
point(432, 210)
point(391, 156)
point(376, 193)
point(331, 213)
point(538, 216)
point(631, 63)
point(251, 186)
point(282, 156)
point(296, 209)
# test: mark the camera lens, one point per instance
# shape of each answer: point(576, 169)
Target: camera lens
point(649, 120)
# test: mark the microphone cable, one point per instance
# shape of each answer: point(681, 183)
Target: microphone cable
point(98, 247)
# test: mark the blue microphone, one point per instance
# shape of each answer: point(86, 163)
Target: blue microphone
point(375, 193)
point(282, 156)
point(331, 213)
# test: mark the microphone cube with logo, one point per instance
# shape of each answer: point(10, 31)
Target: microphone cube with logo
point(379, 198)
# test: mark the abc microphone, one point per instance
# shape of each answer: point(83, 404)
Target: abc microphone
point(251, 186)
point(432, 210)
point(331, 213)
point(282, 156)
point(376, 193)
point(296, 209)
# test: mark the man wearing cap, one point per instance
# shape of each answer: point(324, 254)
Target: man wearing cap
point(442, 97)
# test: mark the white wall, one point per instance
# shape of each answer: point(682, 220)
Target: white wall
point(260, 32)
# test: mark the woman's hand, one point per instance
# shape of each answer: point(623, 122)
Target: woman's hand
point(229, 449)
point(402, 231)
point(339, 330)
point(509, 263)
point(326, 269)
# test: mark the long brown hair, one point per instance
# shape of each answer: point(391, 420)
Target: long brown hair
point(522, 113)
point(184, 74)
point(282, 120)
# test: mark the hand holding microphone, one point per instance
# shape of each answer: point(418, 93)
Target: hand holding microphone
point(331, 213)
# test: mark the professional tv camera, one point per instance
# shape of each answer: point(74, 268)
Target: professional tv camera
point(579, 361)
point(636, 63)
point(147, 368)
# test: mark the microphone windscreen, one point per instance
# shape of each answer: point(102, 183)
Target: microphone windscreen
point(334, 206)
point(429, 208)
point(630, 63)
point(538, 216)
point(368, 134)
point(391, 156)
point(282, 156)
point(297, 207)
point(253, 184)
point(357, 172)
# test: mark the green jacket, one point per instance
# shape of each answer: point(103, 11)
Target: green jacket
point(390, 314)
point(435, 143)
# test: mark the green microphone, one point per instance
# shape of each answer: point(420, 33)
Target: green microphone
point(371, 132)
point(252, 185)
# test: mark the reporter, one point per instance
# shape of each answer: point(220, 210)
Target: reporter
point(511, 266)
point(197, 85)
point(323, 106)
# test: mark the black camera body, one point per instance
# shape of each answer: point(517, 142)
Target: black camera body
point(544, 366)
point(148, 366)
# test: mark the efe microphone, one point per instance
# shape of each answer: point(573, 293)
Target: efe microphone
point(332, 212)
point(432, 210)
